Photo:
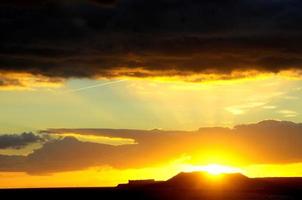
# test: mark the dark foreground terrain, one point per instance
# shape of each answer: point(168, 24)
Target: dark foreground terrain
point(184, 186)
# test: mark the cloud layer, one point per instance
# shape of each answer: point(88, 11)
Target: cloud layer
point(150, 38)
point(267, 142)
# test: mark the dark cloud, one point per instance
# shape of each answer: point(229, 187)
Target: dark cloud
point(267, 142)
point(151, 38)
point(18, 141)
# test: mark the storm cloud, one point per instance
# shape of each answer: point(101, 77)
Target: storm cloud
point(150, 38)
point(267, 142)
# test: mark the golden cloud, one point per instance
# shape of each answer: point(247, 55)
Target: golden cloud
point(27, 81)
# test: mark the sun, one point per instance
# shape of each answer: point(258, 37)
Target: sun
point(214, 169)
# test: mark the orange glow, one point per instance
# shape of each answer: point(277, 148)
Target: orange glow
point(214, 169)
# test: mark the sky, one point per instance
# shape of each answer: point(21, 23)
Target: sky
point(88, 88)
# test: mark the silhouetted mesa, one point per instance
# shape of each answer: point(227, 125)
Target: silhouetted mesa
point(232, 185)
point(195, 180)
point(200, 179)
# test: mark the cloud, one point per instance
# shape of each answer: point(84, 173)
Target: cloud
point(18, 141)
point(269, 107)
point(26, 81)
point(242, 109)
point(276, 142)
point(207, 39)
point(288, 113)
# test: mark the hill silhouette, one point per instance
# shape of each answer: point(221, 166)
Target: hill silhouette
point(202, 180)
point(194, 185)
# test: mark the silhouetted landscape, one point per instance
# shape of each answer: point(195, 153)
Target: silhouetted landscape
point(194, 185)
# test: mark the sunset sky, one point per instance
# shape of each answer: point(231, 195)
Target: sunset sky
point(97, 92)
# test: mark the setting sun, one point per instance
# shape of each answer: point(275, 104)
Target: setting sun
point(215, 169)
